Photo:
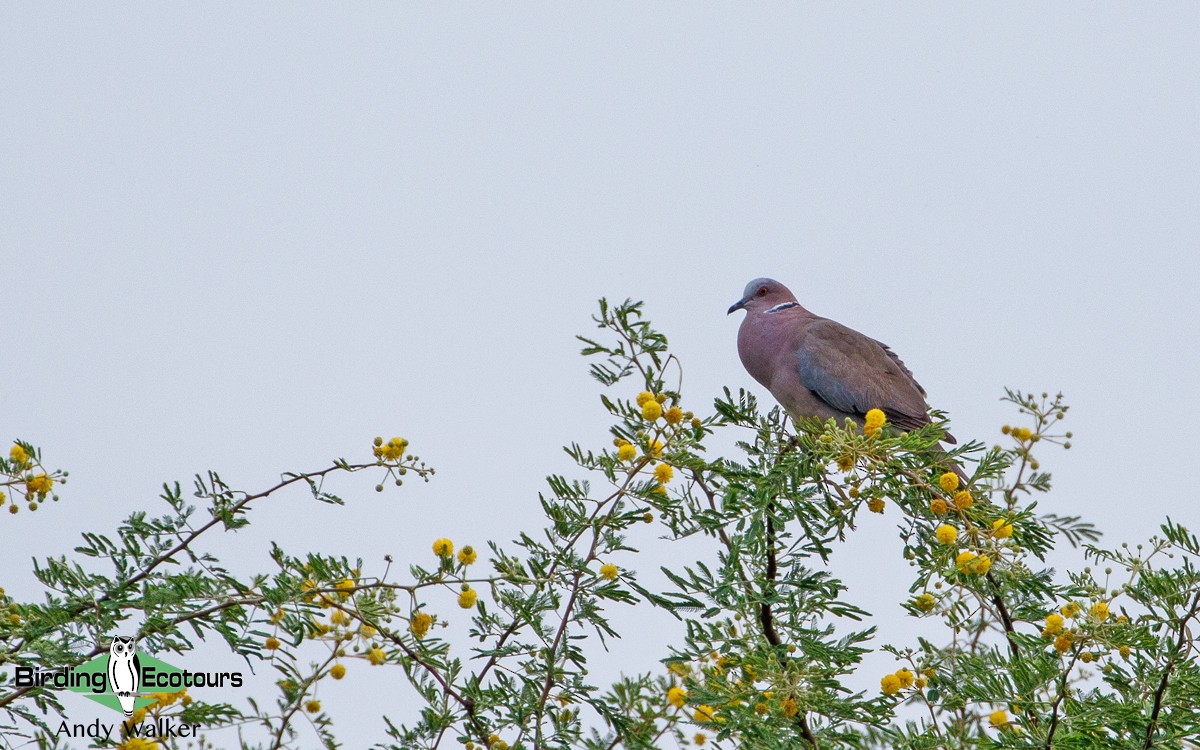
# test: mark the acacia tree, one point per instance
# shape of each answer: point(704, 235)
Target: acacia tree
point(1026, 658)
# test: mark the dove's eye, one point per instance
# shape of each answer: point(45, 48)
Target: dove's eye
point(762, 291)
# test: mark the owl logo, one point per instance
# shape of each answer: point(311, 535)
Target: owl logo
point(124, 671)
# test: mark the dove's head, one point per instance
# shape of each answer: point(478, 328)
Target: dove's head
point(762, 295)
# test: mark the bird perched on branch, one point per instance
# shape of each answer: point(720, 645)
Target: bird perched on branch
point(816, 367)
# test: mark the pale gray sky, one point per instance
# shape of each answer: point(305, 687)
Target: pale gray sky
point(252, 237)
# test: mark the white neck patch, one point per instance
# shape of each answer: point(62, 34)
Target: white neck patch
point(783, 306)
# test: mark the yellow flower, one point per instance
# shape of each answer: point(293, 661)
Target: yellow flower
point(875, 421)
point(663, 473)
point(312, 706)
point(651, 410)
point(608, 571)
point(393, 450)
point(946, 534)
point(700, 738)
point(626, 452)
point(890, 684)
point(1071, 609)
point(1001, 529)
point(39, 484)
point(676, 696)
point(1021, 433)
point(905, 676)
point(271, 644)
point(761, 709)
point(467, 598)
point(420, 624)
point(467, 555)
point(1054, 624)
point(1124, 652)
point(938, 506)
point(443, 548)
point(875, 505)
point(138, 743)
point(18, 455)
point(1062, 644)
point(679, 668)
point(790, 708)
point(656, 448)
point(1100, 611)
point(376, 656)
point(998, 718)
point(969, 562)
point(277, 617)
point(337, 671)
point(925, 602)
point(644, 398)
point(963, 500)
point(845, 462)
point(921, 683)
point(367, 632)
point(674, 415)
point(948, 481)
point(339, 617)
point(704, 714)
point(1087, 657)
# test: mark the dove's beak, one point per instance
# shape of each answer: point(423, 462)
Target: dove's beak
point(739, 305)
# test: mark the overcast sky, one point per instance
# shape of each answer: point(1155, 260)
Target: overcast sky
point(252, 237)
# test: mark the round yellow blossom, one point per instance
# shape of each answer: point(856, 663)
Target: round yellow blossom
point(972, 563)
point(998, 718)
point(1054, 624)
point(663, 473)
point(393, 450)
point(271, 644)
point(1062, 644)
point(467, 555)
point(277, 617)
point(875, 420)
point(875, 505)
point(946, 534)
point(313, 706)
point(890, 684)
point(608, 571)
point(676, 697)
point(674, 415)
point(651, 410)
point(1100, 611)
point(39, 484)
point(443, 548)
point(467, 598)
point(138, 743)
point(656, 448)
point(1124, 652)
point(339, 617)
point(948, 481)
point(679, 668)
point(367, 632)
point(626, 453)
point(1087, 657)
point(938, 506)
point(704, 714)
point(14, 508)
point(905, 676)
point(1071, 609)
point(790, 708)
point(337, 671)
point(644, 398)
point(921, 683)
point(376, 656)
point(1001, 529)
point(1021, 433)
point(420, 624)
point(925, 602)
point(963, 500)
point(700, 738)
point(762, 709)
point(845, 463)
point(18, 455)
